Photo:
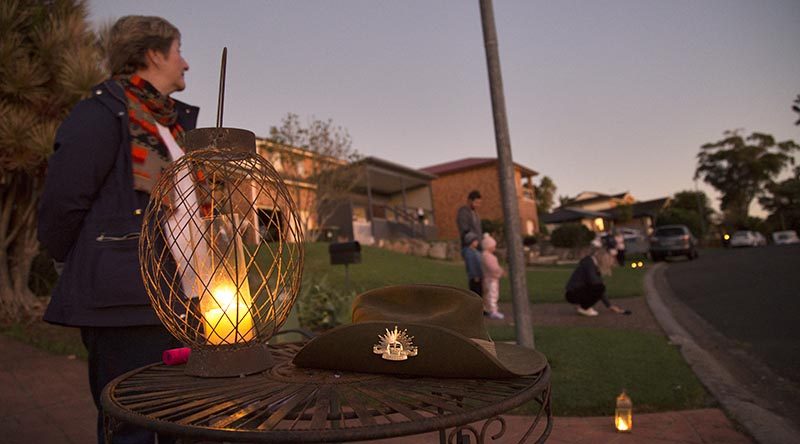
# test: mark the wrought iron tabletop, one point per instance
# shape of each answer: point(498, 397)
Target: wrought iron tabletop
point(290, 404)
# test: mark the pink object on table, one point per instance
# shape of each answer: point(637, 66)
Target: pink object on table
point(176, 356)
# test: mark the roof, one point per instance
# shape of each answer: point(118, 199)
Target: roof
point(387, 177)
point(595, 197)
point(570, 214)
point(650, 207)
point(396, 167)
point(467, 163)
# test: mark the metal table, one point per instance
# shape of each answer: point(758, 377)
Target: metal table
point(291, 405)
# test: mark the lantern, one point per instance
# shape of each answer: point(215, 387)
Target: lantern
point(623, 414)
point(221, 252)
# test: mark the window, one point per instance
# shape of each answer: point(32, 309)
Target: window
point(529, 227)
point(359, 213)
point(600, 224)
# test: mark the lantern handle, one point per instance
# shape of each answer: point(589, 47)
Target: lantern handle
point(221, 97)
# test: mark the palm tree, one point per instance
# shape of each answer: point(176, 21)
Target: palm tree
point(49, 59)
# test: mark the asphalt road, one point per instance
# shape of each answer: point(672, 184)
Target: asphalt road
point(751, 296)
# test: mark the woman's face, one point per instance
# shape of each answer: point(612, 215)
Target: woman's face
point(175, 66)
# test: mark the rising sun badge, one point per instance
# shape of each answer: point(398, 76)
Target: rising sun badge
point(395, 345)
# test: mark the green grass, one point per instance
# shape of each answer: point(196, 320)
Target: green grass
point(382, 267)
point(591, 366)
point(50, 338)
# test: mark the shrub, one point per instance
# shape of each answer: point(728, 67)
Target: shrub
point(320, 306)
point(571, 236)
point(530, 240)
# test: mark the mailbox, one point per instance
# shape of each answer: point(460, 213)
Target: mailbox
point(344, 253)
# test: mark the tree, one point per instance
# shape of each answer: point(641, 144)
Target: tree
point(681, 216)
point(782, 200)
point(573, 235)
point(48, 61)
point(324, 165)
point(690, 208)
point(545, 194)
point(739, 168)
point(796, 108)
point(565, 201)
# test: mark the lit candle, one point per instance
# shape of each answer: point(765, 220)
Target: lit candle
point(228, 320)
point(623, 414)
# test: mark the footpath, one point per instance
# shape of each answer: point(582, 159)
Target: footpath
point(45, 398)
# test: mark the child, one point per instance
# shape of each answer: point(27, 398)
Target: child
point(472, 259)
point(492, 272)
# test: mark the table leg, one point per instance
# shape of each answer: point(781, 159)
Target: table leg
point(548, 416)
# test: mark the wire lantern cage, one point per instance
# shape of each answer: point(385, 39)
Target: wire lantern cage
point(221, 252)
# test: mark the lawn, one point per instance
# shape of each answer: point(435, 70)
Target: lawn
point(382, 267)
point(592, 365)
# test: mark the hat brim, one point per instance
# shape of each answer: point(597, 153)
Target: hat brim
point(442, 353)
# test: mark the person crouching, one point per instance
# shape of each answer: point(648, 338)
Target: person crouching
point(585, 287)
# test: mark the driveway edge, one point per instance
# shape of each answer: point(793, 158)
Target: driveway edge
point(742, 405)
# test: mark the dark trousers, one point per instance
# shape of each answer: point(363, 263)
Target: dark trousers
point(117, 350)
point(621, 257)
point(586, 296)
point(476, 286)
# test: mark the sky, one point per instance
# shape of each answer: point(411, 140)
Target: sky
point(606, 96)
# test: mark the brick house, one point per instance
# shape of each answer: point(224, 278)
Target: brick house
point(457, 178)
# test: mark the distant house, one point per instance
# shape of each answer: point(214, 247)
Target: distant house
point(454, 180)
point(593, 220)
point(599, 212)
point(389, 201)
point(386, 200)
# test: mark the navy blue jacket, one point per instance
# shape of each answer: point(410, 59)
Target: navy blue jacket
point(584, 275)
point(90, 216)
point(472, 259)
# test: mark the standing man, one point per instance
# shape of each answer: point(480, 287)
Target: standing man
point(467, 217)
point(108, 155)
point(469, 222)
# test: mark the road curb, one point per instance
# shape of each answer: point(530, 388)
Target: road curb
point(741, 404)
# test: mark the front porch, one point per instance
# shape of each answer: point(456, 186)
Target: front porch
point(389, 201)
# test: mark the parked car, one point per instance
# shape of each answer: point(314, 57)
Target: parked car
point(785, 237)
point(747, 238)
point(672, 240)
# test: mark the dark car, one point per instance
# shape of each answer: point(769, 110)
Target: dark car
point(672, 240)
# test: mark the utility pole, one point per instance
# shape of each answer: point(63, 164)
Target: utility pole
point(508, 189)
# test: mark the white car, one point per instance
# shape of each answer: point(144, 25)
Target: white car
point(747, 238)
point(785, 237)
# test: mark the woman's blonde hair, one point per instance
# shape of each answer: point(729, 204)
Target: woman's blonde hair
point(605, 261)
point(132, 36)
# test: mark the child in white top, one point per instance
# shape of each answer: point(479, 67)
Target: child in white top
point(492, 272)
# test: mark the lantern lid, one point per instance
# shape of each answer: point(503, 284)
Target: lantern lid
point(234, 139)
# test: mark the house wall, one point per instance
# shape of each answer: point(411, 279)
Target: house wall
point(450, 193)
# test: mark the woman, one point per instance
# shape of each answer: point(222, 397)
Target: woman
point(585, 287)
point(108, 155)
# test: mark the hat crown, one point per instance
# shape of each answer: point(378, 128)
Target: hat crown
point(452, 308)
